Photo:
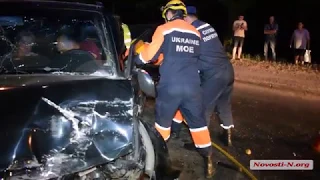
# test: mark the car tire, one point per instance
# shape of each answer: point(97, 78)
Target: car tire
point(151, 153)
point(162, 164)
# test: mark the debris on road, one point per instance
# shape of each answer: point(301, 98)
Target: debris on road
point(248, 151)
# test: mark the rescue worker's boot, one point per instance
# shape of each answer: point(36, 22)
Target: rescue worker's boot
point(190, 146)
point(227, 137)
point(175, 130)
point(229, 141)
point(209, 166)
point(174, 135)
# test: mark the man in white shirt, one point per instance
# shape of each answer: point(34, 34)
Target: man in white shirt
point(301, 41)
point(239, 28)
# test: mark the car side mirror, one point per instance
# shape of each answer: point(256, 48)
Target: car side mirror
point(146, 83)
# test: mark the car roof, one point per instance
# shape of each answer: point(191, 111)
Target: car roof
point(98, 7)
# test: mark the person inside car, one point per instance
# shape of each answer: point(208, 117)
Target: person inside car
point(26, 41)
point(67, 42)
point(71, 57)
point(24, 57)
point(91, 47)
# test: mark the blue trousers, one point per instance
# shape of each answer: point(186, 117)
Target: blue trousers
point(272, 43)
point(188, 99)
point(217, 91)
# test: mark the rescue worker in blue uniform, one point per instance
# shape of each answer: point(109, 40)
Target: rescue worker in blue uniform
point(179, 84)
point(217, 78)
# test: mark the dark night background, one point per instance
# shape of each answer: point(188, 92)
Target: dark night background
point(221, 14)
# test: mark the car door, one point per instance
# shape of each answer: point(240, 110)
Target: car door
point(142, 82)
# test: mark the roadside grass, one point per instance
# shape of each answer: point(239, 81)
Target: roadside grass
point(278, 66)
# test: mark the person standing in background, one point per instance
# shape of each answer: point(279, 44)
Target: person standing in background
point(239, 28)
point(270, 32)
point(301, 41)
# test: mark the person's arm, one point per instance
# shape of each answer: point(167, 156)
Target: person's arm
point(292, 39)
point(158, 62)
point(273, 31)
point(276, 27)
point(308, 40)
point(245, 25)
point(151, 53)
point(266, 30)
point(235, 26)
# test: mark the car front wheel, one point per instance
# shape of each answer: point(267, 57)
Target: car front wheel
point(150, 156)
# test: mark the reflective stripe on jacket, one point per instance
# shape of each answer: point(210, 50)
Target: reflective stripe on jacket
point(180, 44)
point(127, 35)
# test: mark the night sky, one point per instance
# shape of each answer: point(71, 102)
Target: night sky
point(221, 13)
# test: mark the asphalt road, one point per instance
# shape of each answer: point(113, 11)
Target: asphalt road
point(273, 125)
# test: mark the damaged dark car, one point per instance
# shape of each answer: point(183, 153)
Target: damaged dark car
point(68, 110)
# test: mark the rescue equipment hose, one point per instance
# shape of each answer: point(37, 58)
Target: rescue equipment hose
point(234, 161)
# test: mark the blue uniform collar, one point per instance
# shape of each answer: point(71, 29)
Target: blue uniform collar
point(195, 22)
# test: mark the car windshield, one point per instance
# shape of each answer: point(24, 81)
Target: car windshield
point(52, 40)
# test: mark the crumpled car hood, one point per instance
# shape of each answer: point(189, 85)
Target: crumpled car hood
point(64, 123)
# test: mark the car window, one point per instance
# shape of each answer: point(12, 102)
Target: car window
point(58, 40)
